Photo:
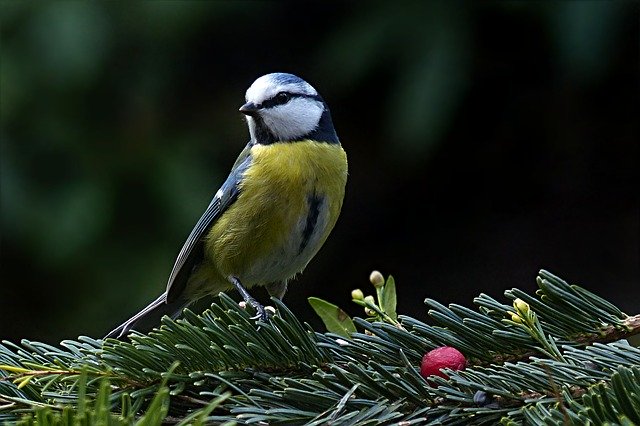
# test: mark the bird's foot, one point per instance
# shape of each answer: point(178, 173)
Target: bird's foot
point(262, 313)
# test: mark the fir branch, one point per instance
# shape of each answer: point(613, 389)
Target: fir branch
point(615, 402)
point(281, 371)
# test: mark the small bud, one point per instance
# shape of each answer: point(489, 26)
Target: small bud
point(357, 294)
point(370, 312)
point(516, 318)
point(242, 304)
point(370, 300)
point(376, 279)
point(271, 309)
point(521, 306)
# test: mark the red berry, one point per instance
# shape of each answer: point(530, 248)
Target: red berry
point(443, 357)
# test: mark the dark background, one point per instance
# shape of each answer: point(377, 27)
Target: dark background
point(486, 140)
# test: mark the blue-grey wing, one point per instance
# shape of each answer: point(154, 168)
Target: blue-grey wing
point(192, 252)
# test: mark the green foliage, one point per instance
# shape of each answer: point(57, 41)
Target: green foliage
point(334, 318)
point(382, 309)
point(97, 411)
point(221, 366)
point(613, 402)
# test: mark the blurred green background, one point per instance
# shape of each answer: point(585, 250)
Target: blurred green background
point(486, 140)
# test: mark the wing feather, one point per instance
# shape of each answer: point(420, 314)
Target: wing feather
point(192, 252)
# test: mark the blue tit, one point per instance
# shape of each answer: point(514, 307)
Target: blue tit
point(274, 211)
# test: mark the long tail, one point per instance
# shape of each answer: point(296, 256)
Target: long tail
point(148, 318)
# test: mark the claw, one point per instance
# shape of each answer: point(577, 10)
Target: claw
point(262, 314)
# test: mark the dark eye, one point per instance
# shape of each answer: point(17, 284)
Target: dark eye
point(282, 98)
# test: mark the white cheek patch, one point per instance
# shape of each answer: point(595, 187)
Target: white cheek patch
point(294, 119)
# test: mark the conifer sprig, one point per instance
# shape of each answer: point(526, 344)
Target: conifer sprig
point(539, 358)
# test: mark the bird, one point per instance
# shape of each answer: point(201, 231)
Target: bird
point(274, 211)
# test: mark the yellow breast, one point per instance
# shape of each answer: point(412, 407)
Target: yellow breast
point(290, 199)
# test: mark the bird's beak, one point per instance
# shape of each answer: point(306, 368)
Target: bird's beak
point(249, 108)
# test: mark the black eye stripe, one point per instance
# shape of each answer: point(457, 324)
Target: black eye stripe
point(282, 98)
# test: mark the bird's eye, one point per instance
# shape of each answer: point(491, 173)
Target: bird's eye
point(282, 98)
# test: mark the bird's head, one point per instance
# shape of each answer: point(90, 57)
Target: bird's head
point(282, 107)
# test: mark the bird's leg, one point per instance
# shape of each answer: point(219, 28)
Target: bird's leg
point(261, 312)
point(277, 289)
